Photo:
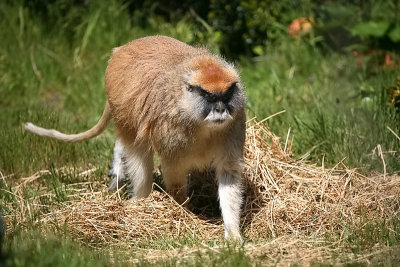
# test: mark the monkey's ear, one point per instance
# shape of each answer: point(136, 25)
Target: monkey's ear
point(234, 86)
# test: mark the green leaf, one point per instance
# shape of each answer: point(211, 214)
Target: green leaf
point(258, 50)
point(371, 28)
point(394, 34)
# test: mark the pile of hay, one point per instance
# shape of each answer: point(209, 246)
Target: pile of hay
point(284, 196)
point(288, 196)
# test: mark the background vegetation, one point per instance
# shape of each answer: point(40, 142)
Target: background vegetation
point(337, 84)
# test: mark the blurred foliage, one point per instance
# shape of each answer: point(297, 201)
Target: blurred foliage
point(246, 27)
point(361, 24)
point(236, 27)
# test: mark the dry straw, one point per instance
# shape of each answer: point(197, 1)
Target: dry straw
point(283, 197)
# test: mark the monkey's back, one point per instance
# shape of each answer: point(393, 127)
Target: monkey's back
point(142, 84)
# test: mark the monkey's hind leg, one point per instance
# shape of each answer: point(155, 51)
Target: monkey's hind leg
point(132, 168)
point(117, 169)
point(139, 167)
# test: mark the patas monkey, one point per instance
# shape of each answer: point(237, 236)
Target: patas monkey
point(181, 102)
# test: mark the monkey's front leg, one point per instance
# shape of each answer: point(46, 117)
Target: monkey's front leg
point(230, 200)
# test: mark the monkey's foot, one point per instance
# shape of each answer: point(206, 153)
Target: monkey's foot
point(121, 184)
point(234, 237)
point(116, 181)
point(119, 181)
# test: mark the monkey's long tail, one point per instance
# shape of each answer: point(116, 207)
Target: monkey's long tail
point(94, 131)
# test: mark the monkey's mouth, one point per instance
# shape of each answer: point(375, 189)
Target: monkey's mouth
point(218, 121)
point(218, 118)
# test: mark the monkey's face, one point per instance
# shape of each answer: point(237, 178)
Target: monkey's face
point(212, 92)
point(214, 108)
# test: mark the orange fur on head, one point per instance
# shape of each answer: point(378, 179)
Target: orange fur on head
point(212, 77)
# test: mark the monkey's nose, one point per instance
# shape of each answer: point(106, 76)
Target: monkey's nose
point(220, 107)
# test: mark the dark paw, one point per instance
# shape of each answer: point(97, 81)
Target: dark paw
point(111, 172)
point(121, 184)
point(114, 183)
point(118, 183)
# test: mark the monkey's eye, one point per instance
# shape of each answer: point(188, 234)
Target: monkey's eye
point(190, 87)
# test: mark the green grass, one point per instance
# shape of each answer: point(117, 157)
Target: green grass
point(34, 249)
point(52, 73)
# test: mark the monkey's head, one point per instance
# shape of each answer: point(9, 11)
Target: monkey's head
point(212, 93)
